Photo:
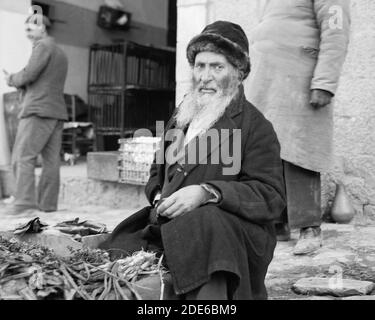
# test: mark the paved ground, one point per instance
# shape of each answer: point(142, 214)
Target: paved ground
point(348, 250)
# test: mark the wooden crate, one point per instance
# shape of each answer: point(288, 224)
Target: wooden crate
point(135, 159)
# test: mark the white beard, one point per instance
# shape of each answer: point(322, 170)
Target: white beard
point(194, 108)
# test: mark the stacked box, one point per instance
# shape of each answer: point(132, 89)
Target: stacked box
point(135, 158)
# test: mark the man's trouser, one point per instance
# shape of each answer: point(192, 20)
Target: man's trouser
point(303, 197)
point(36, 136)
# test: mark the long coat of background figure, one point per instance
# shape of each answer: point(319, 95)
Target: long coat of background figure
point(297, 46)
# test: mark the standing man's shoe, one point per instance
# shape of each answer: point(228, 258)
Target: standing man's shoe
point(310, 240)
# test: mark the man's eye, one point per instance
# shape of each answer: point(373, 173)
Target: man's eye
point(219, 68)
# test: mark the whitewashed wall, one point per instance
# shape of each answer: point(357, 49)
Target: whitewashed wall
point(14, 53)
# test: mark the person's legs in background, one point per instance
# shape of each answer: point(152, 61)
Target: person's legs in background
point(32, 135)
point(23, 165)
point(303, 208)
point(49, 183)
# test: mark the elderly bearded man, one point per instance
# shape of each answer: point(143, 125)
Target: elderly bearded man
point(215, 226)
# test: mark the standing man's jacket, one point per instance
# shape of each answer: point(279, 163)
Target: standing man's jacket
point(297, 46)
point(43, 80)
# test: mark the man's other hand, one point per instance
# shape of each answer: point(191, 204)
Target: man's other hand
point(183, 201)
point(320, 98)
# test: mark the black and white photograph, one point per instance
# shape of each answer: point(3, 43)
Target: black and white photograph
point(190, 151)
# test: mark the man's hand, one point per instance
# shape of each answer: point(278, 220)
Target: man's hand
point(320, 98)
point(183, 201)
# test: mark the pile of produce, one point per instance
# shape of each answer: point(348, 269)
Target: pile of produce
point(32, 272)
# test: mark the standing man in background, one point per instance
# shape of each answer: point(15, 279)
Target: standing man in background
point(297, 51)
point(41, 120)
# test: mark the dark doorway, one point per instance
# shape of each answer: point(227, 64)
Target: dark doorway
point(172, 23)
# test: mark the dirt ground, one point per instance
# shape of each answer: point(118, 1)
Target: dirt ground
point(348, 250)
point(109, 216)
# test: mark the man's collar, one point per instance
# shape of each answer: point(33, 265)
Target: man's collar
point(236, 105)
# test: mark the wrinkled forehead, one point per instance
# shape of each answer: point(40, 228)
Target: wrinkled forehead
point(210, 57)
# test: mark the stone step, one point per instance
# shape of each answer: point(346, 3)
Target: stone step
point(91, 182)
point(96, 184)
point(333, 286)
point(103, 166)
point(78, 191)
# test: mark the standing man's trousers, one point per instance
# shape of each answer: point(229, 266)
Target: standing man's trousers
point(36, 136)
point(303, 197)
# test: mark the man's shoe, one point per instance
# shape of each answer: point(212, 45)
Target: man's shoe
point(310, 240)
point(47, 210)
point(282, 231)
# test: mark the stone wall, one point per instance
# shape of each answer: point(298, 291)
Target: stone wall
point(354, 103)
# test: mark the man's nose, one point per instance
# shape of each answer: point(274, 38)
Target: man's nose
point(206, 75)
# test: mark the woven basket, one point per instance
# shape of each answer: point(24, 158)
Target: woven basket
point(135, 159)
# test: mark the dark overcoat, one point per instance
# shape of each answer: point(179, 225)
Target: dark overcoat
point(236, 235)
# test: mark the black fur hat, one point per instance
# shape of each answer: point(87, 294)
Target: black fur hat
point(226, 38)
